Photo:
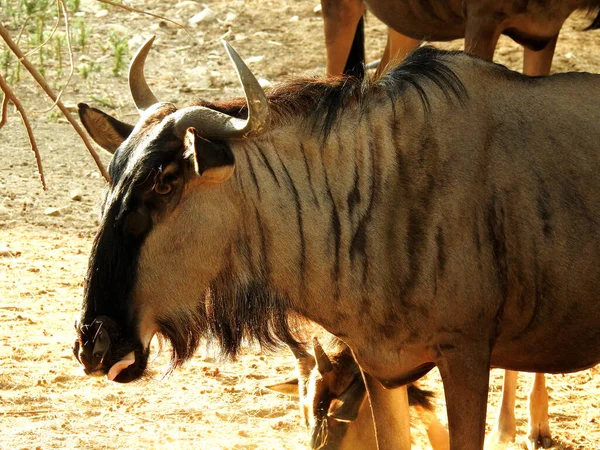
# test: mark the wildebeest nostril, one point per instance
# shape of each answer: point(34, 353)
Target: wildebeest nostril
point(101, 345)
point(93, 347)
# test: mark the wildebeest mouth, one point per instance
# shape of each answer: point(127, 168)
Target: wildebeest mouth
point(103, 350)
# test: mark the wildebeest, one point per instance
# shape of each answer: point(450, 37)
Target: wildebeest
point(447, 214)
point(505, 428)
point(533, 24)
point(331, 391)
point(332, 397)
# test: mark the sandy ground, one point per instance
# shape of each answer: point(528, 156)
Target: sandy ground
point(45, 401)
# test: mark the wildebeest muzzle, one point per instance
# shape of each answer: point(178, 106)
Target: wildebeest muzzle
point(102, 349)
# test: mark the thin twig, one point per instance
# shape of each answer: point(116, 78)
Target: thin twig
point(10, 95)
point(30, 52)
point(60, 4)
point(23, 28)
point(42, 83)
point(139, 11)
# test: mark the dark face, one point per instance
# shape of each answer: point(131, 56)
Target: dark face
point(326, 432)
point(148, 173)
point(163, 258)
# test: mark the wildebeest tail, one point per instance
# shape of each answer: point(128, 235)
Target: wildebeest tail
point(355, 64)
point(419, 397)
point(596, 22)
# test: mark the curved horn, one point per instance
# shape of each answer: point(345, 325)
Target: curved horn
point(214, 124)
point(141, 93)
point(323, 363)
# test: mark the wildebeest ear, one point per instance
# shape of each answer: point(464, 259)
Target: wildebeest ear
point(347, 405)
point(105, 130)
point(289, 387)
point(214, 162)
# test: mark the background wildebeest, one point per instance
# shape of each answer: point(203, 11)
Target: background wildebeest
point(333, 404)
point(535, 25)
point(449, 212)
point(322, 386)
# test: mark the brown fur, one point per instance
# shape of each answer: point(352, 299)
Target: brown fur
point(422, 227)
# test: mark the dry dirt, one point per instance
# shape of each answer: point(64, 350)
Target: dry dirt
point(45, 401)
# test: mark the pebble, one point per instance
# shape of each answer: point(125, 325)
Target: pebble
point(229, 18)
point(186, 4)
point(254, 59)
point(75, 195)
point(56, 212)
point(5, 251)
point(206, 15)
point(52, 212)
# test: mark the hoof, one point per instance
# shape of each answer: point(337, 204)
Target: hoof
point(534, 442)
point(499, 440)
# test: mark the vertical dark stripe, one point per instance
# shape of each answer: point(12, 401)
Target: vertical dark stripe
point(441, 251)
point(358, 243)
point(335, 233)
point(264, 250)
point(309, 175)
point(497, 240)
point(252, 173)
point(476, 237)
point(354, 195)
point(300, 222)
point(543, 206)
point(265, 161)
point(416, 234)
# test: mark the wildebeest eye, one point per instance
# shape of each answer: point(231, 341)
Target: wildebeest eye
point(166, 180)
point(163, 188)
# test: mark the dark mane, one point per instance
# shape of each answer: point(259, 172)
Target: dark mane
point(322, 100)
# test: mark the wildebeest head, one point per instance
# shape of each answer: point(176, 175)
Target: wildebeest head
point(167, 195)
point(331, 392)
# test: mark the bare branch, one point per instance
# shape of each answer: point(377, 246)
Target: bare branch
point(10, 95)
point(139, 11)
point(42, 83)
point(4, 110)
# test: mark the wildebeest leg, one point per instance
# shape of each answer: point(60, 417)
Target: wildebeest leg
point(539, 430)
point(481, 36)
point(505, 429)
point(465, 374)
point(390, 415)
point(340, 19)
point(396, 49)
point(540, 62)
point(436, 432)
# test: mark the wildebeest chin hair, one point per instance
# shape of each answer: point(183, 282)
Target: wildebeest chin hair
point(228, 315)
